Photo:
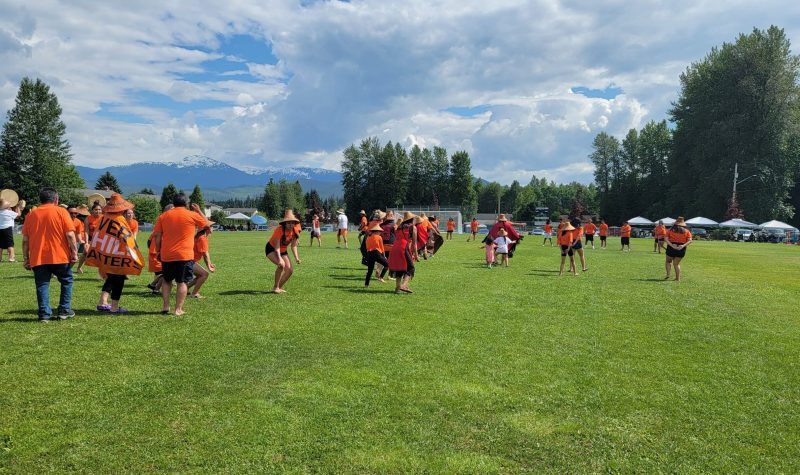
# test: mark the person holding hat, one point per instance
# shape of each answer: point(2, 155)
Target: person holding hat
point(341, 230)
point(316, 232)
point(277, 249)
point(8, 215)
point(174, 234)
point(104, 253)
point(625, 236)
point(49, 248)
point(404, 251)
point(375, 254)
point(678, 239)
point(566, 238)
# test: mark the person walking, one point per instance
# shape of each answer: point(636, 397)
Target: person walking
point(316, 233)
point(91, 224)
point(589, 228)
point(660, 234)
point(341, 232)
point(451, 227)
point(404, 253)
point(80, 231)
point(277, 250)
point(511, 233)
point(503, 244)
point(375, 254)
point(8, 215)
point(548, 233)
point(201, 252)
point(603, 234)
point(473, 230)
point(153, 264)
point(362, 225)
point(174, 234)
point(678, 238)
point(625, 236)
point(49, 248)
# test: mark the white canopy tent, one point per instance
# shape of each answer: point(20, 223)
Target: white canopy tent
point(238, 217)
point(702, 222)
point(738, 223)
point(667, 221)
point(640, 221)
point(778, 225)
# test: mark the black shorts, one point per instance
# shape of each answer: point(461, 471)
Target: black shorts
point(590, 237)
point(564, 251)
point(672, 252)
point(268, 249)
point(7, 238)
point(626, 241)
point(577, 245)
point(602, 238)
point(180, 271)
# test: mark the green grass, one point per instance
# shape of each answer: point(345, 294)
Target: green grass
point(479, 371)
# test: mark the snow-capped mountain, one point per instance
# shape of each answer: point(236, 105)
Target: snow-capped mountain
point(219, 178)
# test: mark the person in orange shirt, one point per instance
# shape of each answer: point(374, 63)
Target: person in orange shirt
point(625, 236)
point(49, 248)
point(566, 239)
point(114, 226)
point(277, 249)
point(375, 254)
point(603, 234)
point(153, 264)
point(201, 251)
point(92, 221)
point(80, 232)
point(590, 229)
point(577, 234)
point(133, 224)
point(660, 233)
point(174, 234)
point(678, 239)
point(473, 229)
point(451, 227)
point(362, 225)
point(548, 233)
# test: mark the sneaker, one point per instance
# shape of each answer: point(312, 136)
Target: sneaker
point(44, 320)
point(65, 314)
point(119, 311)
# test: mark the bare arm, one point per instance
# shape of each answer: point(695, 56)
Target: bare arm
point(26, 252)
point(294, 251)
point(73, 247)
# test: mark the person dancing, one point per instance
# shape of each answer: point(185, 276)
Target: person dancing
point(677, 239)
point(603, 234)
point(284, 237)
point(375, 253)
point(403, 254)
point(566, 240)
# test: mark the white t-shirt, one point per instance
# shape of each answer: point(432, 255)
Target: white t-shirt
point(502, 244)
point(7, 218)
point(342, 221)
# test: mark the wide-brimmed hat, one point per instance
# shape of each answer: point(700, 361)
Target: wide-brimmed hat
point(377, 227)
point(680, 221)
point(10, 196)
point(502, 217)
point(96, 197)
point(569, 227)
point(362, 212)
point(340, 211)
point(289, 216)
point(117, 204)
point(408, 216)
point(83, 210)
point(379, 215)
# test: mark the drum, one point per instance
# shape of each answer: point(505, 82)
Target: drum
point(10, 196)
point(96, 197)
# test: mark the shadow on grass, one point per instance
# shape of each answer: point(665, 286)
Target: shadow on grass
point(78, 313)
point(247, 292)
point(361, 289)
point(653, 279)
point(345, 277)
point(543, 273)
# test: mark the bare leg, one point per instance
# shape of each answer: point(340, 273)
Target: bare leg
point(180, 298)
point(677, 263)
point(668, 267)
point(166, 290)
point(103, 299)
point(583, 259)
point(275, 258)
point(561, 268)
point(201, 276)
point(287, 271)
point(572, 265)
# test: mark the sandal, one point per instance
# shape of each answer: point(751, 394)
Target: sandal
point(104, 308)
point(119, 311)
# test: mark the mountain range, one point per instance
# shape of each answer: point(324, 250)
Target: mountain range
point(218, 180)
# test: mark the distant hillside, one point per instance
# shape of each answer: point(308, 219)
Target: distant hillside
point(217, 180)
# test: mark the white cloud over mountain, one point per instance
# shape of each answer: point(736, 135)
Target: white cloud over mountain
point(162, 80)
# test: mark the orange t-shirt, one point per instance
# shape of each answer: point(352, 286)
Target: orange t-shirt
point(281, 241)
point(679, 236)
point(200, 247)
point(46, 228)
point(177, 228)
point(153, 264)
point(566, 238)
point(363, 225)
point(451, 226)
point(561, 226)
point(661, 231)
point(474, 226)
point(604, 229)
point(92, 222)
point(375, 243)
point(79, 232)
point(548, 228)
point(590, 228)
point(625, 231)
point(133, 225)
point(580, 233)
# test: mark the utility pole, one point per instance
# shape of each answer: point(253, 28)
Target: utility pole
point(735, 178)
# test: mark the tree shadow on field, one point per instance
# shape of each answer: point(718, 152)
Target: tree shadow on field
point(247, 292)
point(361, 289)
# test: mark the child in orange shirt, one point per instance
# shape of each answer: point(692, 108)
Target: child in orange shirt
point(375, 253)
point(565, 240)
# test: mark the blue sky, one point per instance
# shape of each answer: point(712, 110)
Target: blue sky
point(523, 86)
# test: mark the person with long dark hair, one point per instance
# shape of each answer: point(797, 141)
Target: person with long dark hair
point(375, 253)
point(677, 239)
point(277, 249)
point(403, 254)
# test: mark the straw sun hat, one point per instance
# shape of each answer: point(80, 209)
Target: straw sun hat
point(569, 227)
point(502, 217)
point(680, 221)
point(289, 217)
point(408, 216)
point(377, 227)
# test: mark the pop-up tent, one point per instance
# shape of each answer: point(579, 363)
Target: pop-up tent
point(640, 221)
point(238, 217)
point(258, 219)
point(738, 223)
point(778, 225)
point(667, 221)
point(702, 222)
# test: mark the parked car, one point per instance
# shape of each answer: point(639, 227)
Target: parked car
point(745, 235)
point(326, 229)
point(536, 232)
point(699, 233)
point(482, 229)
point(262, 227)
point(771, 235)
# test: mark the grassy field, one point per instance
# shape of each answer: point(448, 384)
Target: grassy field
point(479, 371)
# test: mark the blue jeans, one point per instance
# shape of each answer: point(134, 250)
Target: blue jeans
point(42, 275)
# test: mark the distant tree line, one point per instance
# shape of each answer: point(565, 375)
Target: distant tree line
point(571, 199)
point(739, 105)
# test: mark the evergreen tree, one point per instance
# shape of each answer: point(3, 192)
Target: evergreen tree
point(34, 152)
point(107, 180)
point(167, 194)
point(197, 198)
point(605, 157)
point(147, 191)
point(438, 168)
point(147, 209)
point(462, 191)
point(271, 201)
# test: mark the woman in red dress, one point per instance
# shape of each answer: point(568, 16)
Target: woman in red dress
point(404, 250)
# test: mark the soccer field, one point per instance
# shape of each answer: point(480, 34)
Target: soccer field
point(479, 371)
